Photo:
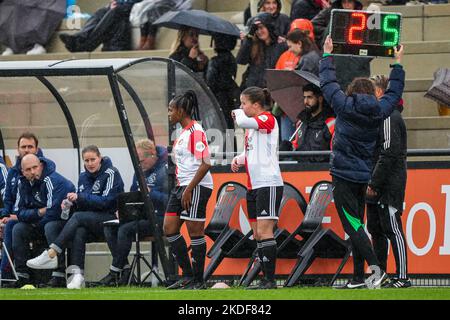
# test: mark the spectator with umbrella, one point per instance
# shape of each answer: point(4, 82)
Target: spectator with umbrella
point(186, 49)
point(192, 23)
point(145, 13)
point(26, 26)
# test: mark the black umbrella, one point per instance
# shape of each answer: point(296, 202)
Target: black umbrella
point(440, 89)
point(206, 23)
point(286, 88)
point(26, 22)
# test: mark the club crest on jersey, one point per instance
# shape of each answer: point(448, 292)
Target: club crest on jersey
point(263, 118)
point(37, 196)
point(81, 188)
point(200, 146)
point(180, 141)
point(96, 186)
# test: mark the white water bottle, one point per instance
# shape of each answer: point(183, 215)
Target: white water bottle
point(66, 209)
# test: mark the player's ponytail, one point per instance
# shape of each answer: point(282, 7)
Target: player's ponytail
point(188, 102)
point(260, 96)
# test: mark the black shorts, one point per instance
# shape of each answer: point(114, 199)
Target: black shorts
point(197, 212)
point(264, 203)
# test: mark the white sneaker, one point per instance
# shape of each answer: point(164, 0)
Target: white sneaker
point(37, 49)
point(77, 282)
point(8, 52)
point(43, 262)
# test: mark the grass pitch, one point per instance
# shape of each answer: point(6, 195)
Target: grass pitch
point(134, 293)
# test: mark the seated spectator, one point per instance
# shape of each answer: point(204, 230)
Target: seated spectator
point(41, 191)
point(148, 36)
point(26, 144)
point(260, 50)
point(153, 161)
point(109, 25)
point(147, 12)
point(221, 75)
point(347, 67)
point(26, 26)
point(186, 50)
point(281, 21)
point(94, 203)
point(307, 9)
point(3, 175)
point(315, 128)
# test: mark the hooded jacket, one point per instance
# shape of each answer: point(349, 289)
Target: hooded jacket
point(46, 192)
point(10, 204)
point(389, 175)
point(98, 191)
point(305, 9)
point(3, 176)
point(255, 73)
point(358, 118)
point(322, 20)
point(280, 21)
point(157, 182)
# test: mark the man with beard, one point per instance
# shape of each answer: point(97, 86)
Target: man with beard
point(315, 127)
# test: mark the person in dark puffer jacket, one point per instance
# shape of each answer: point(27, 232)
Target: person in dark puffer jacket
point(359, 116)
point(41, 191)
point(94, 203)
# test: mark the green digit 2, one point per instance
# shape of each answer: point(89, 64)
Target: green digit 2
point(389, 30)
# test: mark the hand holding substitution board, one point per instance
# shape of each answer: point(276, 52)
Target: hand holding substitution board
point(365, 33)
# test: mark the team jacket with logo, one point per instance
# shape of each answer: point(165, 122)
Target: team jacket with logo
point(98, 191)
point(189, 149)
point(3, 175)
point(47, 192)
point(261, 145)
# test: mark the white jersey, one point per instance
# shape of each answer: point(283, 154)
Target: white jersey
point(189, 149)
point(261, 145)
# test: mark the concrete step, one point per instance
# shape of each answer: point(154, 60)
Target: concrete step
point(90, 6)
point(428, 132)
point(421, 59)
point(228, 5)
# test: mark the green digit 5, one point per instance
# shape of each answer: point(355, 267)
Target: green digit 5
point(391, 33)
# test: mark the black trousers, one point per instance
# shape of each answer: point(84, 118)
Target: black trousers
point(383, 223)
point(349, 198)
point(108, 26)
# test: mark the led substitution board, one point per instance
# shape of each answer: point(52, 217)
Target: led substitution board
point(365, 33)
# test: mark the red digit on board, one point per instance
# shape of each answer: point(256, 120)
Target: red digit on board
point(352, 37)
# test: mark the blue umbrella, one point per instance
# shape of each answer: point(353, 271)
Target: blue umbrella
point(205, 22)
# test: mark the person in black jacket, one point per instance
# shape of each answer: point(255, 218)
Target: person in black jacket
point(186, 50)
point(386, 191)
point(315, 127)
point(306, 9)
point(94, 203)
point(260, 50)
point(221, 73)
point(359, 115)
point(281, 22)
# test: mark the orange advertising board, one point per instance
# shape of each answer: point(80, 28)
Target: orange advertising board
point(426, 222)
